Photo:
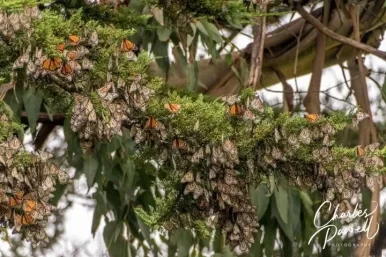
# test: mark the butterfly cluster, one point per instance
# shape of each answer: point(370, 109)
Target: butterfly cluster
point(220, 192)
point(71, 59)
point(122, 101)
point(245, 110)
point(309, 160)
point(10, 23)
point(92, 127)
point(27, 182)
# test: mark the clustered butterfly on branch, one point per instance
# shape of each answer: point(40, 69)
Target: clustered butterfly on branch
point(27, 182)
point(213, 174)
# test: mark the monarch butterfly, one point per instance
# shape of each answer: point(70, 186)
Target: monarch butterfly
point(360, 151)
point(312, 117)
point(74, 40)
point(173, 108)
point(66, 69)
point(235, 110)
point(102, 92)
point(151, 123)
point(248, 115)
point(189, 188)
point(179, 144)
point(93, 40)
point(14, 144)
point(23, 219)
point(229, 147)
point(29, 205)
point(60, 47)
point(127, 45)
point(372, 147)
point(188, 177)
point(230, 100)
point(257, 104)
point(87, 64)
point(72, 55)
point(15, 199)
point(52, 64)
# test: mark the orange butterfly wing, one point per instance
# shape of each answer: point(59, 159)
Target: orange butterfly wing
point(60, 47)
point(360, 151)
point(74, 40)
point(52, 64)
point(312, 117)
point(127, 45)
point(173, 108)
point(26, 219)
point(29, 205)
point(16, 199)
point(72, 55)
point(151, 123)
point(179, 144)
point(66, 69)
point(235, 110)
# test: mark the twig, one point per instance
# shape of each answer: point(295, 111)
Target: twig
point(344, 40)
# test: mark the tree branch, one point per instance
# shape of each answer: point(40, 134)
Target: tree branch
point(312, 101)
point(344, 40)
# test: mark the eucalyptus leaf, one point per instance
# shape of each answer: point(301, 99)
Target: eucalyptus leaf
point(90, 167)
point(191, 37)
point(260, 198)
point(158, 14)
point(32, 102)
point(192, 75)
point(281, 198)
point(269, 237)
point(212, 31)
point(116, 244)
point(164, 33)
point(100, 209)
point(185, 241)
point(307, 203)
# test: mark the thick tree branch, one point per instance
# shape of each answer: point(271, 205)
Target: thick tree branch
point(367, 132)
point(344, 40)
point(312, 101)
point(259, 31)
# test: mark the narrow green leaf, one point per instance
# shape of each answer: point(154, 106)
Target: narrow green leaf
point(90, 167)
point(116, 244)
point(128, 169)
point(307, 203)
point(49, 112)
point(191, 37)
point(260, 198)
point(294, 209)
point(212, 31)
point(145, 230)
point(201, 28)
point(269, 237)
point(281, 197)
point(192, 75)
point(218, 242)
point(286, 227)
point(98, 212)
point(164, 33)
point(185, 241)
point(158, 15)
point(32, 101)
